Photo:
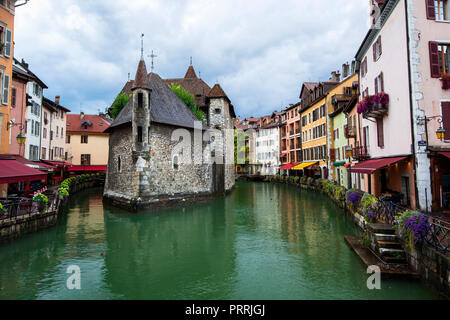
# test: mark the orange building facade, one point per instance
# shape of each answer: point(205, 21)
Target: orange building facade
point(6, 62)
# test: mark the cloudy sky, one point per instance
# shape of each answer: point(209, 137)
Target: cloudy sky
point(259, 51)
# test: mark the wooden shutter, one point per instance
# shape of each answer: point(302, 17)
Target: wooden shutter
point(382, 82)
point(434, 59)
point(431, 13)
point(332, 155)
point(446, 119)
point(380, 133)
point(5, 97)
point(374, 51)
point(376, 85)
point(8, 42)
point(379, 46)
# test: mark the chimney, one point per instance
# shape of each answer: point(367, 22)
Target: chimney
point(345, 70)
point(335, 76)
point(24, 64)
point(353, 67)
point(57, 99)
point(81, 115)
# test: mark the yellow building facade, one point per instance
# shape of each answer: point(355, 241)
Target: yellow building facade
point(86, 142)
point(6, 62)
point(337, 99)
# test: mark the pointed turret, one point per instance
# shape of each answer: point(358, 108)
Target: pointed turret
point(217, 92)
point(141, 79)
point(190, 73)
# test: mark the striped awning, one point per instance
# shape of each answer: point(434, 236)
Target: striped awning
point(304, 165)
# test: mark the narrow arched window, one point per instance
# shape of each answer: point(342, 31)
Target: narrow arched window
point(139, 137)
point(119, 164)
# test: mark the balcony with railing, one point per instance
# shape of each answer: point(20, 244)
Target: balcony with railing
point(375, 107)
point(360, 153)
point(349, 131)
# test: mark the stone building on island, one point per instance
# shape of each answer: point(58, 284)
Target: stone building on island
point(145, 166)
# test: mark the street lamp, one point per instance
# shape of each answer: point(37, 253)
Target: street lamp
point(440, 133)
point(21, 139)
point(349, 152)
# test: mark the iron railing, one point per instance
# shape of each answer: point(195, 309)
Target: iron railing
point(387, 210)
point(438, 235)
point(25, 207)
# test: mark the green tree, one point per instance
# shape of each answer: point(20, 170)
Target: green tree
point(188, 100)
point(118, 104)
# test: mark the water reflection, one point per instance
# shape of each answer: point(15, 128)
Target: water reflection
point(262, 241)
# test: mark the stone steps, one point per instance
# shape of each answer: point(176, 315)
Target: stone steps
point(381, 228)
point(389, 244)
point(386, 237)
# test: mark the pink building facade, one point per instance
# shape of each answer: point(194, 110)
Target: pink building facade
point(18, 109)
point(429, 37)
point(385, 135)
point(404, 57)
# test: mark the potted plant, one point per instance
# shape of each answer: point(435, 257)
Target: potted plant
point(63, 193)
point(369, 206)
point(2, 209)
point(445, 79)
point(413, 227)
point(42, 202)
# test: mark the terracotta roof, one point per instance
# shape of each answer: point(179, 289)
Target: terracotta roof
point(217, 92)
point(195, 86)
point(166, 107)
point(95, 123)
point(190, 73)
point(141, 79)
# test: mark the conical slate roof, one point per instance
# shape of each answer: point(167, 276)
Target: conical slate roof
point(165, 106)
point(190, 73)
point(141, 80)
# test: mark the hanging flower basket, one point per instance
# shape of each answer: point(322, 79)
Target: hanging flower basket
point(445, 79)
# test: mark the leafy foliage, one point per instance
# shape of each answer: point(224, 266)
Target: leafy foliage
point(188, 100)
point(118, 104)
point(369, 205)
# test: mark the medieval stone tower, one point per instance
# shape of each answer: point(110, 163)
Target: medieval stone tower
point(141, 128)
point(220, 118)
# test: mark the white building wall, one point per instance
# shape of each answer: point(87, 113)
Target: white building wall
point(33, 122)
point(267, 150)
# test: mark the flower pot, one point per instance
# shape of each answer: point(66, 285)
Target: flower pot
point(445, 84)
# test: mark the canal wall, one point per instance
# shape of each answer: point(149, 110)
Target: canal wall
point(30, 220)
point(432, 265)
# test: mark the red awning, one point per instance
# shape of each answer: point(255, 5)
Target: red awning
point(289, 166)
point(445, 154)
point(370, 166)
point(88, 168)
point(283, 155)
point(13, 171)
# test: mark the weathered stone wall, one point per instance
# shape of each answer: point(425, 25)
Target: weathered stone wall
point(121, 184)
point(224, 122)
point(146, 182)
point(12, 229)
point(433, 267)
point(164, 181)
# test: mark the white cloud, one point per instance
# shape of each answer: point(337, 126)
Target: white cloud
point(260, 51)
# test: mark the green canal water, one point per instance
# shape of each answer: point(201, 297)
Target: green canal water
point(263, 241)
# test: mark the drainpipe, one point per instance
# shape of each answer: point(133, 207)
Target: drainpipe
point(416, 193)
